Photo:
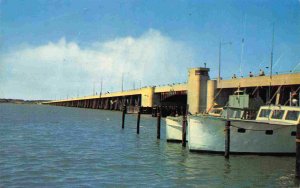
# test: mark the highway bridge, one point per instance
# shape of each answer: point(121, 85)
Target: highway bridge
point(200, 93)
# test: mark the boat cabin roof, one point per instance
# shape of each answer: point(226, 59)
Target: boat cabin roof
point(283, 114)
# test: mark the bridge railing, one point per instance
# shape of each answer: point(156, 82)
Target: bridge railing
point(256, 74)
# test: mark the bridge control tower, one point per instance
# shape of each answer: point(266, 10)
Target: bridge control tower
point(197, 89)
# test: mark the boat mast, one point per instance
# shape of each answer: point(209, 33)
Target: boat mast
point(271, 67)
point(219, 74)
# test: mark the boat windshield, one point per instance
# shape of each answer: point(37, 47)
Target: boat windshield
point(292, 115)
point(284, 114)
point(264, 113)
point(277, 114)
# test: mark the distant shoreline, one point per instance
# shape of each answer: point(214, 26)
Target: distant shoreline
point(21, 101)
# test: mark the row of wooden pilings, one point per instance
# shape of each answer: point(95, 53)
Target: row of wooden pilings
point(158, 114)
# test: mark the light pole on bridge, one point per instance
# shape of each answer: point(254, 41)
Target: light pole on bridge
point(220, 53)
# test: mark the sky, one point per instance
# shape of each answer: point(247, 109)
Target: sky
point(61, 49)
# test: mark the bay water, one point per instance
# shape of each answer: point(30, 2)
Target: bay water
point(49, 146)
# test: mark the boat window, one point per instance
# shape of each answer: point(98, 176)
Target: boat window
point(265, 113)
point(293, 133)
point(269, 132)
point(292, 115)
point(234, 113)
point(277, 114)
point(238, 114)
point(216, 111)
point(241, 130)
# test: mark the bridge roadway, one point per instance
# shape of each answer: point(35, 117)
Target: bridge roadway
point(144, 92)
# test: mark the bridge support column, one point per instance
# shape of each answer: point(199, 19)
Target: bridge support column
point(147, 97)
point(211, 90)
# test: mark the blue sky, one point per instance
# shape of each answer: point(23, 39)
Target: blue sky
point(54, 49)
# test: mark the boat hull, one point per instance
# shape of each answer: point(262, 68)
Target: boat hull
point(174, 129)
point(207, 134)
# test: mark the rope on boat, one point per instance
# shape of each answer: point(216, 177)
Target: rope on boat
point(284, 126)
point(277, 91)
point(255, 90)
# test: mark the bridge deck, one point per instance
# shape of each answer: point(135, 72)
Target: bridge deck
point(159, 89)
point(276, 80)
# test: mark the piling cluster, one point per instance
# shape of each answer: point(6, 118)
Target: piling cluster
point(157, 112)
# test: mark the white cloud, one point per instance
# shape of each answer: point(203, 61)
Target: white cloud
point(62, 68)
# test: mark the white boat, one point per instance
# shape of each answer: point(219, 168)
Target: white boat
point(174, 129)
point(174, 126)
point(272, 132)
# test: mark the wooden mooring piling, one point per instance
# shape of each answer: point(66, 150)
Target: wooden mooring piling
point(297, 172)
point(184, 125)
point(123, 116)
point(184, 113)
point(158, 122)
point(138, 121)
point(227, 139)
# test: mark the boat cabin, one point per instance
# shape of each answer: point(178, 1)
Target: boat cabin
point(216, 112)
point(284, 114)
point(240, 106)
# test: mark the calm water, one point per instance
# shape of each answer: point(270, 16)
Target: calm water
point(45, 146)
